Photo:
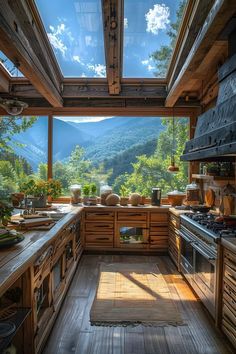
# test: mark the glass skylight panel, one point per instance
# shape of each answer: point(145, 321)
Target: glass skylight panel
point(149, 26)
point(9, 66)
point(75, 31)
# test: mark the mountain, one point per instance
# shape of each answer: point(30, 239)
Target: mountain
point(101, 140)
point(132, 131)
point(122, 163)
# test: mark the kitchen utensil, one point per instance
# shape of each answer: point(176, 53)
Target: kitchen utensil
point(192, 194)
point(228, 204)
point(210, 197)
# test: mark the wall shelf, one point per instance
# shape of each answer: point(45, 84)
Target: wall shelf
point(211, 178)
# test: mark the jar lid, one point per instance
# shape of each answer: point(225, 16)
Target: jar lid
point(192, 186)
point(176, 192)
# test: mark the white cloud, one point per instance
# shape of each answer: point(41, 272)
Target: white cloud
point(77, 58)
point(125, 23)
point(59, 36)
point(82, 119)
point(98, 69)
point(150, 67)
point(157, 18)
point(145, 62)
point(83, 75)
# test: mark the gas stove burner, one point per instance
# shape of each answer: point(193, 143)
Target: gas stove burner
point(6, 328)
point(208, 222)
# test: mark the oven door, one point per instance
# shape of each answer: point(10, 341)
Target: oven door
point(186, 259)
point(205, 275)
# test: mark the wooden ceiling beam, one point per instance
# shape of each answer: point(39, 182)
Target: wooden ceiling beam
point(93, 90)
point(4, 80)
point(113, 26)
point(219, 15)
point(21, 45)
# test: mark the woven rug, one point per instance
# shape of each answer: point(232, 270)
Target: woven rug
point(132, 294)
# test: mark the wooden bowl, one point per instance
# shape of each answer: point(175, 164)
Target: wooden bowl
point(176, 199)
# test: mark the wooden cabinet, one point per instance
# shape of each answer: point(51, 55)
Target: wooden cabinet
point(158, 231)
point(174, 239)
point(52, 272)
point(129, 229)
point(229, 296)
point(98, 229)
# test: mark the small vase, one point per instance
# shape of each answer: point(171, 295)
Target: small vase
point(39, 202)
point(124, 201)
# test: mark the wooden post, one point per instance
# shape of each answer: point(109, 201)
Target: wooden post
point(193, 165)
point(50, 142)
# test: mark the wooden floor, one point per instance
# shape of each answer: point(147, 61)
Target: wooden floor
point(72, 332)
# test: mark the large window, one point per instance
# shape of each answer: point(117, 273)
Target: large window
point(23, 151)
point(131, 154)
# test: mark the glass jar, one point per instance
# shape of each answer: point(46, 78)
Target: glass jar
point(105, 190)
point(75, 190)
point(192, 194)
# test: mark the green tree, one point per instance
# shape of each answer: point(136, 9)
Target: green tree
point(152, 171)
point(162, 56)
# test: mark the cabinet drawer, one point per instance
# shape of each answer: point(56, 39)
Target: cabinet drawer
point(95, 238)
point(99, 216)
point(99, 227)
point(131, 216)
point(159, 217)
point(158, 230)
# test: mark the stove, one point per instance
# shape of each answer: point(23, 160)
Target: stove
point(208, 226)
point(200, 234)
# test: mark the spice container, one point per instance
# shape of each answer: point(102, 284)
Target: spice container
point(75, 190)
point(105, 190)
point(192, 194)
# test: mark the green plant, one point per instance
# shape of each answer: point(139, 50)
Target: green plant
point(5, 213)
point(124, 192)
point(39, 188)
point(86, 190)
point(93, 189)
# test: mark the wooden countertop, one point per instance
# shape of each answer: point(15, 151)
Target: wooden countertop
point(229, 243)
point(178, 212)
point(148, 207)
point(15, 260)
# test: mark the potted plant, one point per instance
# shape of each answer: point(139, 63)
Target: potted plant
point(93, 197)
point(38, 191)
point(124, 199)
point(86, 192)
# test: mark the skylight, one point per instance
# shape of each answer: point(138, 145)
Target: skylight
point(9, 66)
point(75, 31)
point(148, 26)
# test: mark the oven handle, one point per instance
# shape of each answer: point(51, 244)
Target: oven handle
point(186, 238)
point(204, 254)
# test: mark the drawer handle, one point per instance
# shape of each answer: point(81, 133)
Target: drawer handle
point(102, 238)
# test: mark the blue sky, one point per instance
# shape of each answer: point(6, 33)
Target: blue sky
point(9, 66)
point(75, 31)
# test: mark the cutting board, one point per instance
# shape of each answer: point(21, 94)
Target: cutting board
point(210, 197)
point(228, 204)
point(36, 222)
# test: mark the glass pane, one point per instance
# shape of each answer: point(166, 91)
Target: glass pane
point(131, 234)
point(23, 152)
point(149, 27)
point(9, 66)
point(130, 154)
point(75, 31)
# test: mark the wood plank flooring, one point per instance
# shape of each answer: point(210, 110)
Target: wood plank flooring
point(72, 332)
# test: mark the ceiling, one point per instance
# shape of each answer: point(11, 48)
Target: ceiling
point(104, 74)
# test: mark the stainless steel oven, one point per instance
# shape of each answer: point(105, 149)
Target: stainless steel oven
point(198, 264)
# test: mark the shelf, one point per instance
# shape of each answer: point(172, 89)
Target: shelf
point(18, 320)
point(217, 178)
point(205, 177)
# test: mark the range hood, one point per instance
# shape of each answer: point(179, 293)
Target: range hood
point(215, 134)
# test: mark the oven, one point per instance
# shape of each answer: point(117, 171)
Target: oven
point(198, 264)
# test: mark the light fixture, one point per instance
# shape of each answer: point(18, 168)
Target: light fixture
point(173, 168)
point(13, 107)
